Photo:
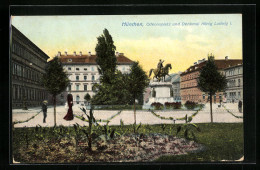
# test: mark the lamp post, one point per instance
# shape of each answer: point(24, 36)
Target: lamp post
point(24, 97)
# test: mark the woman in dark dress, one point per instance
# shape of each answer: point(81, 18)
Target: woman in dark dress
point(69, 115)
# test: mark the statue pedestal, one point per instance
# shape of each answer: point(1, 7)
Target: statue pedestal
point(160, 92)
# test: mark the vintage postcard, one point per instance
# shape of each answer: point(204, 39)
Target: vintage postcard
point(127, 88)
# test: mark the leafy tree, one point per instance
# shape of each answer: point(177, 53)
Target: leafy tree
point(113, 93)
point(87, 97)
point(211, 81)
point(137, 82)
point(106, 59)
point(55, 80)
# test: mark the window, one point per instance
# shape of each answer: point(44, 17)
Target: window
point(77, 69)
point(69, 88)
point(77, 99)
point(85, 87)
point(92, 68)
point(70, 60)
point(238, 82)
point(77, 87)
point(85, 77)
point(93, 78)
point(69, 68)
point(124, 68)
point(85, 69)
point(77, 78)
point(239, 95)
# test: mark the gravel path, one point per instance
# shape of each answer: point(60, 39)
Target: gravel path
point(144, 117)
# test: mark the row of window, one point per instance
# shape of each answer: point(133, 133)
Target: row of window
point(233, 72)
point(25, 93)
point(185, 85)
point(85, 78)
point(23, 52)
point(85, 69)
point(190, 76)
point(77, 88)
point(232, 83)
point(26, 72)
point(234, 94)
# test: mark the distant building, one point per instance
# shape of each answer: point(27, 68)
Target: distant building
point(234, 75)
point(175, 80)
point(83, 73)
point(27, 67)
point(189, 87)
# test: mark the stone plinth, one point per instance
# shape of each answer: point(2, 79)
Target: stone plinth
point(160, 92)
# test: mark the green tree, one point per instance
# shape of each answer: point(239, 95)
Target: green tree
point(113, 93)
point(137, 82)
point(106, 59)
point(55, 80)
point(87, 97)
point(211, 80)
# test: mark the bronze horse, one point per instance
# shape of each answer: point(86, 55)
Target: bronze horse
point(161, 74)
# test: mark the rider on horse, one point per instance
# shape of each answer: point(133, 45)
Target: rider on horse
point(160, 66)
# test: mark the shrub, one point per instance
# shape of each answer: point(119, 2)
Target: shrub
point(190, 105)
point(174, 105)
point(157, 105)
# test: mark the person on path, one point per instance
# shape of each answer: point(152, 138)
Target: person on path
point(240, 106)
point(44, 110)
point(69, 115)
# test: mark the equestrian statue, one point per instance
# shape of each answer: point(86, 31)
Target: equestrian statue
point(160, 72)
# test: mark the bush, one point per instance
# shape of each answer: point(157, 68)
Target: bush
point(190, 105)
point(157, 105)
point(174, 105)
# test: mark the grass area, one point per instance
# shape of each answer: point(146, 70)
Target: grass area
point(223, 141)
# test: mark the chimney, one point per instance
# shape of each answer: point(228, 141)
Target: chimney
point(80, 53)
point(226, 58)
point(59, 53)
point(117, 53)
point(74, 53)
point(66, 53)
point(89, 53)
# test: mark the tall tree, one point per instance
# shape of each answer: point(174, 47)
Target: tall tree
point(211, 80)
point(55, 80)
point(106, 59)
point(137, 83)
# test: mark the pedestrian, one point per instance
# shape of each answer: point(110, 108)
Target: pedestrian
point(69, 115)
point(44, 110)
point(240, 106)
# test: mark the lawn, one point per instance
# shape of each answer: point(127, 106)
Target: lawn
point(223, 141)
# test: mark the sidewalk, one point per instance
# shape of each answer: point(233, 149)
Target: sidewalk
point(144, 117)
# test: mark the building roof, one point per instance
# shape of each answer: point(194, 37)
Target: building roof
point(221, 64)
point(90, 59)
point(238, 65)
point(173, 78)
point(17, 33)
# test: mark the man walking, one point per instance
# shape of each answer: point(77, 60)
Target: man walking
point(44, 110)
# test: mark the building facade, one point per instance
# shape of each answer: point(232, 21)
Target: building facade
point(175, 81)
point(27, 67)
point(83, 73)
point(189, 87)
point(234, 91)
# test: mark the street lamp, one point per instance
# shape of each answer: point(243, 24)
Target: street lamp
point(24, 97)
